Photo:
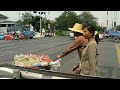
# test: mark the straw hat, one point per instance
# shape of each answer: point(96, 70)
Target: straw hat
point(77, 28)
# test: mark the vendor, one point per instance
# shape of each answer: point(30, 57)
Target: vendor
point(78, 44)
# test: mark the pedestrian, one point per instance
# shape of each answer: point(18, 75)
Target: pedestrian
point(31, 27)
point(43, 31)
point(15, 35)
point(97, 38)
point(78, 44)
point(88, 63)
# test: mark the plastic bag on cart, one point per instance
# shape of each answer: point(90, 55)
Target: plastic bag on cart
point(55, 65)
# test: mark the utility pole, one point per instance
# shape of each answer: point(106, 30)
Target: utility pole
point(19, 15)
point(19, 18)
point(40, 19)
point(115, 20)
point(107, 20)
point(45, 20)
point(49, 21)
point(112, 24)
point(40, 23)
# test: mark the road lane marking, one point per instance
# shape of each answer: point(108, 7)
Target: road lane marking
point(118, 52)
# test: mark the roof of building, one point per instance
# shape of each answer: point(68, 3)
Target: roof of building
point(7, 22)
point(4, 22)
point(3, 16)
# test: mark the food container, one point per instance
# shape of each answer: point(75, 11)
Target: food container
point(36, 62)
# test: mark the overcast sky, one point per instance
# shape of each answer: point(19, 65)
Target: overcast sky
point(101, 15)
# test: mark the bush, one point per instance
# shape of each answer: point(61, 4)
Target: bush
point(59, 33)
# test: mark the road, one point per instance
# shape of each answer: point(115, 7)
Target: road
point(109, 60)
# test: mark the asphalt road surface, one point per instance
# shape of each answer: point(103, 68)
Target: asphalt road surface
point(109, 59)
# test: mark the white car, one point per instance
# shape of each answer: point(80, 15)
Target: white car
point(106, 35)
point(101, 36)
point(71, 35)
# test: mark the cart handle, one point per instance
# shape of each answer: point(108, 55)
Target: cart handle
point(57, 59)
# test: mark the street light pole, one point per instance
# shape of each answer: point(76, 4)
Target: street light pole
point(40, 23)
point(107, 20)
point(19, 18)
point(40, 20)
point(115, 20)
point(19, 15)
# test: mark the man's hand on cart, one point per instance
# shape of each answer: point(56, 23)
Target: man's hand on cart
point(76, 69)
point(58, 57)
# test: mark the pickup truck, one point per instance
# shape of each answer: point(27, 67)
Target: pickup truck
point(114, 34)
point(27, 33)
point(71, 35)
point(24, 30)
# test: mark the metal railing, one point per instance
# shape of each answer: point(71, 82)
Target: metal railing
point(15, 72)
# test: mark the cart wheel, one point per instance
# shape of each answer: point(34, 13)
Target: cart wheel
point(31, 37)
point(116, 39)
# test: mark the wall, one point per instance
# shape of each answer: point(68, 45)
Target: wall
point(3, 29)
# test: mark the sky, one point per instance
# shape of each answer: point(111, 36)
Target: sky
point(101, 15)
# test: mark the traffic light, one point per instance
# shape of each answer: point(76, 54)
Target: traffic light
point(42, 12)
point(34, 12)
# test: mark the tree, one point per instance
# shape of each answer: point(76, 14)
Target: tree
point(118, 27)
point(35, 21)
point(26, 17)
point(87, 17)
point(101, 29)
point(66, 19)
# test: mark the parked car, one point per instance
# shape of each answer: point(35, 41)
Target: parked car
point(1, 36)
point(101, 36)
point(71, 35)
point(8, 37)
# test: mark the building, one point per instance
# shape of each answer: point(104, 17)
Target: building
point(5, 24)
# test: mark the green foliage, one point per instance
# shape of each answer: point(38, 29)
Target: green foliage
point(63, 22)
point(59, 32)
point(118, 27)
point(66, 19)
point(28, 18)
point(69, 18)
point(101, 29)
point(89, 18)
